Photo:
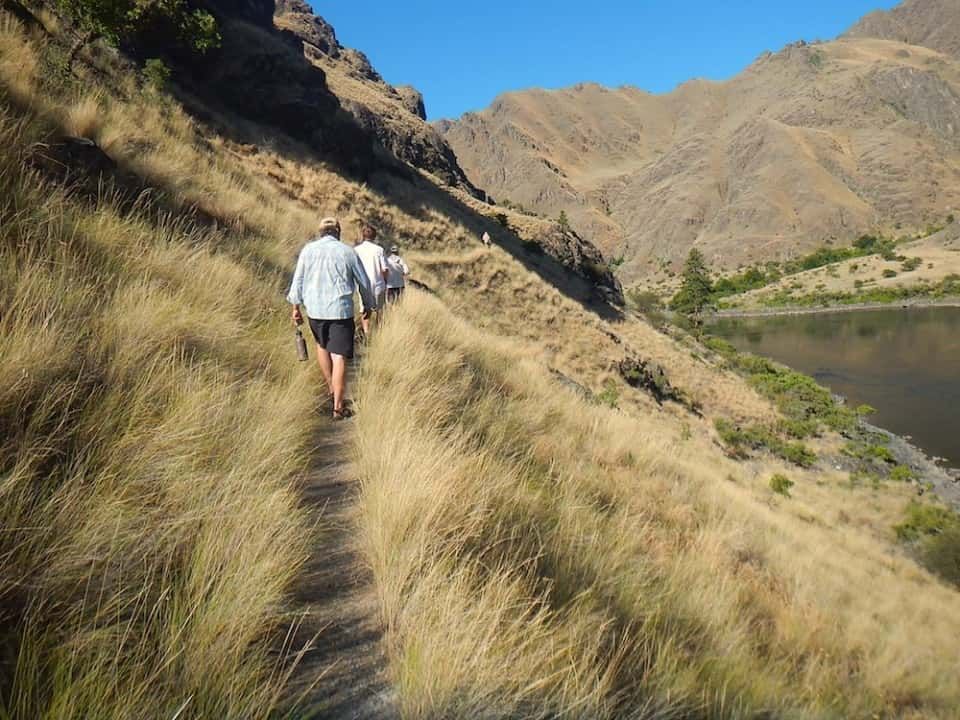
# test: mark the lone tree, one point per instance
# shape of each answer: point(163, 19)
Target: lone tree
point(122, 21)
point(696, 289)
point(563, 221)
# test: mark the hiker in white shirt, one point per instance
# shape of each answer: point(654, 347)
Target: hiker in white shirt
point(375, 263)
point(397, 272)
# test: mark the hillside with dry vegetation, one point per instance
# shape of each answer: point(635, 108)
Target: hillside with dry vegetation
point(566, 510)
point(817, 142)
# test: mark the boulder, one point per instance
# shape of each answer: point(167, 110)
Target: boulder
point(72, 159)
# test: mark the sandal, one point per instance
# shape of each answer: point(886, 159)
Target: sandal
point(342, 414)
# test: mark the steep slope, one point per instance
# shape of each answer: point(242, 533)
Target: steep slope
point(281, 66)
point(813, 143)
point(395, 116)
point(930, 23)
point(546, 539)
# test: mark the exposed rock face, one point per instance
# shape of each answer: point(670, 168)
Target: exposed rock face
point(412, 100)
point(582, 257)
point(395, 117)
point(297, 17)
point(816, 142)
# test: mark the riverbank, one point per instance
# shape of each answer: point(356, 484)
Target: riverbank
point(819, 310)
point(929, 474)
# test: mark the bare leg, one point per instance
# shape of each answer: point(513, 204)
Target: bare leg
point(339, 381)
point(326, 367)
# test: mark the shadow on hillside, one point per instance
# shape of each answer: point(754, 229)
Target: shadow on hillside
point(262, 79)
point(260, 84)
point(425, 197)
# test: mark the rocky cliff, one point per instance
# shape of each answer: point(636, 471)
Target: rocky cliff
point(395, 116)
point(282, 65)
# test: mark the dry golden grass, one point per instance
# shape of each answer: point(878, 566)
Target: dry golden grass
point(535, 555)
point(539, 556)
point(150, 435)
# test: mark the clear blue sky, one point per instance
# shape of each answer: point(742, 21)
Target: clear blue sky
point(461, 55)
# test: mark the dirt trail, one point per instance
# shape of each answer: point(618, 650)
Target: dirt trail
point(336, 598)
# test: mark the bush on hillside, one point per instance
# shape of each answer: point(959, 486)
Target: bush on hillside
point(781, 484)
point(934, 533)
point(156, 73)
point(123, 22)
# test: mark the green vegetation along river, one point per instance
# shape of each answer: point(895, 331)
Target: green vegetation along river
point(905, 363)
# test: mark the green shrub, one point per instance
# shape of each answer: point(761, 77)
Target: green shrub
point(758, 437)
point(902, 473)
point(502, 219)
point(124, 21)
point(923, 519)
point(934, 533)
point(799, 427)
point(864, 410)
point(889, 273)
point(781, 484)
point(610, 395)
point(797, 453)
point(644, 301)
point(911, 264)
point(940, 554)
point(156, 73)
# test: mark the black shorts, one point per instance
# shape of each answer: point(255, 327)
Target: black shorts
point(334, 336)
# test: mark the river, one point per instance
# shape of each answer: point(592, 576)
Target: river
point(905, 363)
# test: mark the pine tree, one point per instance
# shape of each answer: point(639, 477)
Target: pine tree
point(563, 221)
point(695, 290)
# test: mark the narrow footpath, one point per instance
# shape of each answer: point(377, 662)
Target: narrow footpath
point(335, 597)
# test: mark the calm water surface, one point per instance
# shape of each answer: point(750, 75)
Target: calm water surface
point(905, 363)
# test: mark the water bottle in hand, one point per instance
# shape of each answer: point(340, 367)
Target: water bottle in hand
point(301, 347)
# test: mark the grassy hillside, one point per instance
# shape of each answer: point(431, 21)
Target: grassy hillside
point(150, 435)
point(536, 552)
point(538, 555)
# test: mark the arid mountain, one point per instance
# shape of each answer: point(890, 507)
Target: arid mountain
point(816, 142)
point(931, 23)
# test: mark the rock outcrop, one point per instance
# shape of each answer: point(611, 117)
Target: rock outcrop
point(394, 116)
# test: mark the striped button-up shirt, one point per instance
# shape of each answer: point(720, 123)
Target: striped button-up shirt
point(328, 272)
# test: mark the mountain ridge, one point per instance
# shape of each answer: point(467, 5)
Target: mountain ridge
point(817, 142)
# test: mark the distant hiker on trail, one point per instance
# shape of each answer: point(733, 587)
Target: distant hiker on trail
point(486, 238)
point(397, 272)
point(375, 263)
point(328, 272)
